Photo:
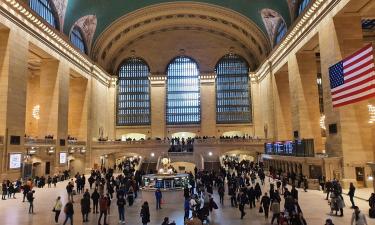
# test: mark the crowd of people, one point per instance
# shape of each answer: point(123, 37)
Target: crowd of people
point(244, 182)
point(181, 144)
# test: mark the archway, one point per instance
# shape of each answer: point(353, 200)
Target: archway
point(133, 136)
point(184, 135)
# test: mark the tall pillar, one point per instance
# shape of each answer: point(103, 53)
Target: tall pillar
point(305, 97)
point(208, 105)
point(158, 106)
point(341, 37)
point(13, 82)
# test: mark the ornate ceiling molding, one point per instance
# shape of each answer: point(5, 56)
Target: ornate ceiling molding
point(178, 15)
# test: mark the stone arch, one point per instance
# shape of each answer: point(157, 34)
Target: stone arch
point(87, 24)
point(143, 25)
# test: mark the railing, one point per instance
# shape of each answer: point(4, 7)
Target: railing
point(76, 143)
point(231, 140)
point(180, 153)
point(1, 140)
point(35, 141)
point(132, 142)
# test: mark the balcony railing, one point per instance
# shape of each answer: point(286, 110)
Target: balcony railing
point(230, 140)
point(76, 143)
point(157, 142)
point(35, 141)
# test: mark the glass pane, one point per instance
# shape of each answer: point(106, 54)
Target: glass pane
point(77, 39)
point(183, 92)
point(232, 90)
point(133, 93)
point(44, 10)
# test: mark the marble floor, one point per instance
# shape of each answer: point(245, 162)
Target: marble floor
point(15, 212)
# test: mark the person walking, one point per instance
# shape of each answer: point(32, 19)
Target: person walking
point(69, 212)
point(57, 209)
point(103, 204)
point(69, 190)
point(158, 197)
point(85, 208)
point(30, 199)
point(275, 208)
point(121, 208)
point(358, 218)
point(95, 200)
point(351, 194)
point(265, 203)
point(221, 192)
point(4, 190)
point(242, 199)
point(145, 213)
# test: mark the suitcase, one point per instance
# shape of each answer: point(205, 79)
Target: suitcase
point(371, 213)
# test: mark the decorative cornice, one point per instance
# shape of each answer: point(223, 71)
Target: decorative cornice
point(157, 79)
point(18, 12)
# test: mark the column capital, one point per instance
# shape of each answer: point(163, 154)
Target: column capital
point(157, 79)
point(207, 78)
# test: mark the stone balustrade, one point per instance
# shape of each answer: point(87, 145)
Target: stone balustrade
point(36, 141)
point(76, 143)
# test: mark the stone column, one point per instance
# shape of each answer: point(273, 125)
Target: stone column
point(304, 97)
point(208, 104)
point(340, 37)
point(282, 105)
point(158, 105)
point(13, 83)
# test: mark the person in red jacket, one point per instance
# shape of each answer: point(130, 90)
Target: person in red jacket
point(103, 204)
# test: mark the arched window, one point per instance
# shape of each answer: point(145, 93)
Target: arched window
point(183, 97)
point(232, 90)
point(281, 31)
point(77, 40)
point(44, 9)
point(133, 93)
point(302, 6)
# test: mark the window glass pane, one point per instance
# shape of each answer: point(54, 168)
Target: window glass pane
point(44, 10)
point(281, 31)
point(77, 39)
point(232, 90)
point(183, 97)
point(133, 93)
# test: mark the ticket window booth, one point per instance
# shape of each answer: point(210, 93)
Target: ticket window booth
point(360, 176)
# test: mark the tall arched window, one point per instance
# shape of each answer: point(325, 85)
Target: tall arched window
point(77, 40)
point(183, 97)
point(133, 93)
point(44, 9)
point(281, 31)
point(232, 90)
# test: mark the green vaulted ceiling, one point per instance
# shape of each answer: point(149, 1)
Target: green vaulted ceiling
point(107, 11)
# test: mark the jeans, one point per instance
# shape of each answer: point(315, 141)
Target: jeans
point(85, 217)
point(158, 203)
point(105, 217)
point(121, 213)
point(95, 207)
point(275, 216)
point(31, 207)
point(68, 217)
point(352, 200)
point(57, 214)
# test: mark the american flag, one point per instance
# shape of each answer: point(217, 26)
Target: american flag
point(353, 79)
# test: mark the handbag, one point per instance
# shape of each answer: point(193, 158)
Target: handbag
point(53, 209)
point(260, 209)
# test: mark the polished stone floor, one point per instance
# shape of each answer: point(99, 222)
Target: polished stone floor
point(15, 212)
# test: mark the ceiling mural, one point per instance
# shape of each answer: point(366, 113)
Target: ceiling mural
point(271, 21)
point(108, 11)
